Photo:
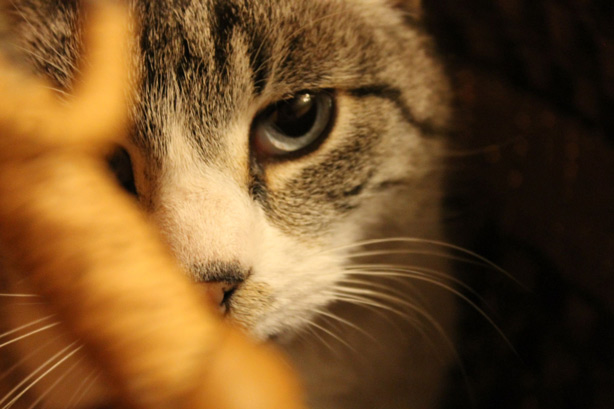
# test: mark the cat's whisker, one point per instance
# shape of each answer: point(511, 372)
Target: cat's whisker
point(401, 276)
point(343, 321)
point(382, 296)
point(437, 254)
point(357, 283)
point(22, 327)
point(375, 303)
point(333, 327)
point(10, 295)
point(367, 304)
point(25, 358)
point(29, 334)
point(339, 294)
point(419, 311)
point(418, 276)
point(41, 377)
point(17, 395)
point(328, 322)
point(51, 387)
point(315, 330)
point(409, 271)
point(306, 331)
point(373, 285)
point(62, 96)
point(81, 391)
point(422, 241)
point(425, 278)
point(331, 334)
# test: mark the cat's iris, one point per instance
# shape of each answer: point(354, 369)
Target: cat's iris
point(293, 124)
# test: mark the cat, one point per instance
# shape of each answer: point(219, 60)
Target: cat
point(292, 153)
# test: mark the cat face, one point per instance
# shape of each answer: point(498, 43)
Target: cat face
point(270, 137)
point(215, 82)
point(210, 164)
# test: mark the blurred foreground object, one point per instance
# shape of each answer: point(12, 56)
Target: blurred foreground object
point(85, 246)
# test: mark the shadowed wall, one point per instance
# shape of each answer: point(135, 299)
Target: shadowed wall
point(532, 188)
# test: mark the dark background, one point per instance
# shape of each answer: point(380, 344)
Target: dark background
point(532, 188)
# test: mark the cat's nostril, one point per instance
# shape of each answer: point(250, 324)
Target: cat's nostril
point(219, 294)
point(220, 280)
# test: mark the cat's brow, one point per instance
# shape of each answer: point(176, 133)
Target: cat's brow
point(394, 95)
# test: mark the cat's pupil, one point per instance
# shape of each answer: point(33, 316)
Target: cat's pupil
point(295, 117)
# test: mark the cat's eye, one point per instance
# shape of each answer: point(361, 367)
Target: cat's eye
point(294, 124)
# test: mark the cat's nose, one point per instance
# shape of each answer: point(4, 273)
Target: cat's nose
point(219, 294)
point(219, 281)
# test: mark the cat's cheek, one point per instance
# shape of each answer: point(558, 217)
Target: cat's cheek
point(292, 280)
